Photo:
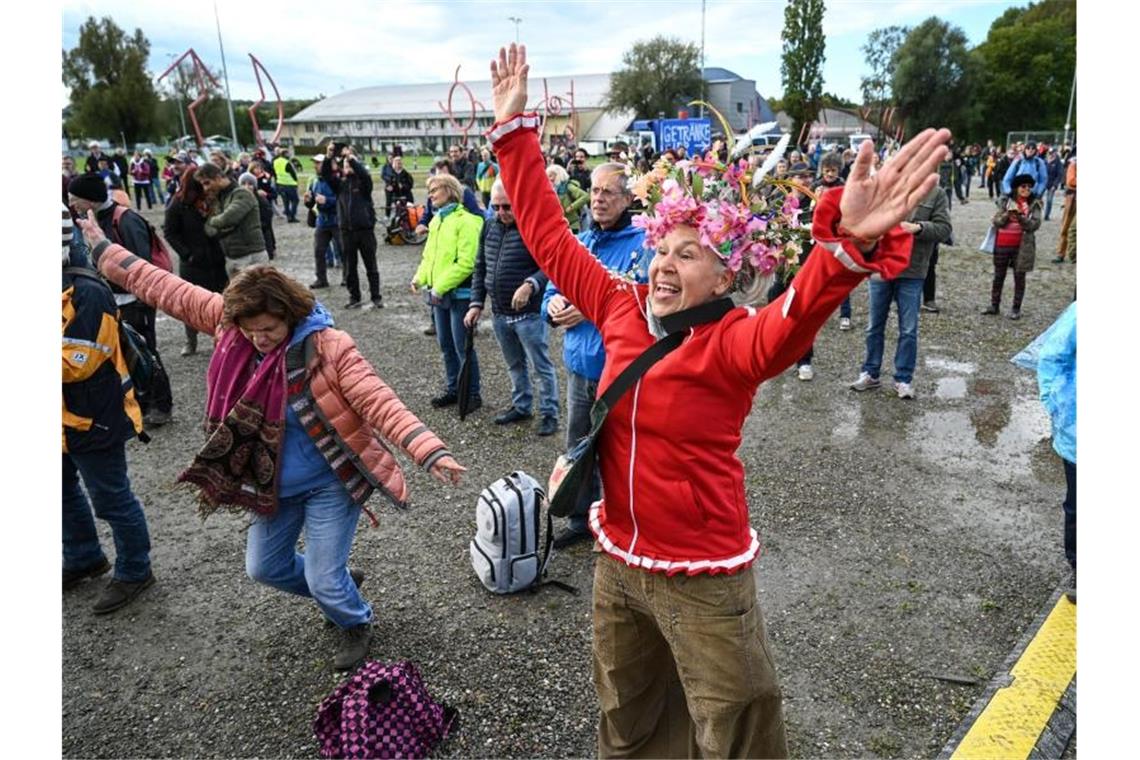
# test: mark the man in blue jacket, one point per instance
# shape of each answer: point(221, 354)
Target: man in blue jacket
point(1029, 163)
point(620, 247)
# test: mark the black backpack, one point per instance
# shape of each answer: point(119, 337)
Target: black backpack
point(143, 363)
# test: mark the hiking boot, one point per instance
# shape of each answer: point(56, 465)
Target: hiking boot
point(511, 415)
point(571, 536)
point(353, 647)
point(931, 307)
point(377, 303)
point(119, 594)
point(805, 372)
point(318, 284)
point(865, 382)
point(990, 310)
point(355, 303)
point(72, 578)
point(430, 329)
point(156, 418)
point(445, 399)
point(188, 350)
point(905, 390)
point(1015, 314)
point(845, 323)
point(474, 402)
point(548, 425)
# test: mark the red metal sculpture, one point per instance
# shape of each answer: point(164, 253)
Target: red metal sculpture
point(204, 92)
point(258, 68)
point(449, 110)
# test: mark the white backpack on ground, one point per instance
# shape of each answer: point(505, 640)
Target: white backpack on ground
point(508, 528)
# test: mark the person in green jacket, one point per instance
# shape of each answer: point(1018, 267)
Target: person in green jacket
point(570, 193)
point(235, 219)
point(445, 274)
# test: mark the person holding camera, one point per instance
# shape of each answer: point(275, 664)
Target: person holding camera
point(356, 215)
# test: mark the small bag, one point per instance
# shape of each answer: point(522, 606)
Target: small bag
point(382, 711)
point(574, 471)
point(987, 245)
point(311, 217)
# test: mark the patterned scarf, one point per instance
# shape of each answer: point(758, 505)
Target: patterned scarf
point(245, 423)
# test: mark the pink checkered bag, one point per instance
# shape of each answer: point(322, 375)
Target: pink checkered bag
point(382, 711)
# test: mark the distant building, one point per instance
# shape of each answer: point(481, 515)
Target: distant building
point(832, 125)
point(378, 118)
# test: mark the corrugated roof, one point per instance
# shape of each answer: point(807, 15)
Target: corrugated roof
point(423, 100)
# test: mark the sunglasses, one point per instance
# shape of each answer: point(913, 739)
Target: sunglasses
point(500, 207)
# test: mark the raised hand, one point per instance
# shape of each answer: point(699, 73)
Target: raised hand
point(871, 205)
point(92, 232)
point(508, 81)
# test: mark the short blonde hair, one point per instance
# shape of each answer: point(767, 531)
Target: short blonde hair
point(450, 183)
point(557, 174)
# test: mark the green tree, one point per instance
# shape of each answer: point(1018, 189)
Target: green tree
point(879, 54)
point(934, 77)
point(1027, 64)
point(658, 75)
point(801, 69)
point(111, 91)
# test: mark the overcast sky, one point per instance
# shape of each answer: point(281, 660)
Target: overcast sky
point(313, 48)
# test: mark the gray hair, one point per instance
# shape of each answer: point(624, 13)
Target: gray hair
point(247, 180)
point(498, 186)
point(611, 167)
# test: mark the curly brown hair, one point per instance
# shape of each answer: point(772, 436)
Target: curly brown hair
point(263, 289)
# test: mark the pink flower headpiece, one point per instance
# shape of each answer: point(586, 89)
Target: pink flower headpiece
point(758, 226)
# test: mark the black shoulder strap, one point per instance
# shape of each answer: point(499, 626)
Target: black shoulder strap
point(676, 325)
point(90, 274)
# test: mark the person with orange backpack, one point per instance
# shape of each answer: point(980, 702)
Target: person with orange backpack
point(88, 192)
point(1067, 244)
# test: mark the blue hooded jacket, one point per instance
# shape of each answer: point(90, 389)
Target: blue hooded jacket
point(1034, 167)
point(302, 466)
point(619, 250)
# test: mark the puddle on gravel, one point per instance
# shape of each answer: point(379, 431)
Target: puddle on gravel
point(998, 437)
point(950, 387)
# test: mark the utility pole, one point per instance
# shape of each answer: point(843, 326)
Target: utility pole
point(1069, 115)
point(226, 76)
point(702, 107)
point(178, 95)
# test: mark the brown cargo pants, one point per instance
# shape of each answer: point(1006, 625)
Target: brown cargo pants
point(683, 666)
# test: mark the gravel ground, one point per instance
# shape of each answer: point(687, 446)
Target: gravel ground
point(903, 540)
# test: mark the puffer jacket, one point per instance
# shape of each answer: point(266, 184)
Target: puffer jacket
point(1027, 251)
point(933, 213)
point(450, 250)
point(99, 406)
point(503, 264)
point(235, 220)
point(344, 386)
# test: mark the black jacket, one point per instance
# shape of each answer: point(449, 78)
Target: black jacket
point(201, 260)
point(133, 233)
point(501, 266)
point(354, 209)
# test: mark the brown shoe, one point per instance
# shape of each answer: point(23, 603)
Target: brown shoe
point(119, 594)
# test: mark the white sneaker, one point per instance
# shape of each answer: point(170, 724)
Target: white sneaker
point(806, 372)
point(865, 382)
point(905, 390)
point(845, 323)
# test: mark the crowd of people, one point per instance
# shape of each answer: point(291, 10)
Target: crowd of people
point(615, 257)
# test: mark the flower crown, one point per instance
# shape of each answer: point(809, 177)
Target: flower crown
point(739, 222)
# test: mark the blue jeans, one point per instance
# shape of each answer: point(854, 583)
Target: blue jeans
point(1049, 193)
point(329, 519)
point(580, 394)
point(520, 340)
point(907, 295)
point(845, 308)
point(452, 335)
point(105, 476)
point(290, 200)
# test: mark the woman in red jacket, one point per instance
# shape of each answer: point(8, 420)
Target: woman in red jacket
point(292, 416)
point(681, 659)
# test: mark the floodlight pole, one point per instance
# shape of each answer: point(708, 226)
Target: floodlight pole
point(178, 95)
point(516, 21)
point(226, 77)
